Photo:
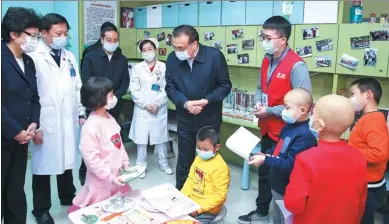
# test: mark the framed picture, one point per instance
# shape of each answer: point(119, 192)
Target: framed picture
point(243, 59)
point(304, 52)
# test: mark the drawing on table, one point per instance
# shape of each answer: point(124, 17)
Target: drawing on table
point(89, 219)
point(118, 204)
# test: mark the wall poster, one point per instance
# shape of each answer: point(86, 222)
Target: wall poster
point(95, 14)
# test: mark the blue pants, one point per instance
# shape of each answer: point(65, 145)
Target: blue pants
point(205, 218)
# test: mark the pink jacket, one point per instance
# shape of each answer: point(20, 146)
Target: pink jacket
point(104, 154)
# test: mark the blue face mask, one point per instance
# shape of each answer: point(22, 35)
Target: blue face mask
point(205, 155)
point(182, 55)
point(314, 132)
point(287, 116)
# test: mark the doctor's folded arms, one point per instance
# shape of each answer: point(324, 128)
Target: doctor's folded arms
point(55, 147)
point(149, 122)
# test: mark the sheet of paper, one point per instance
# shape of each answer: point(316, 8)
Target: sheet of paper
point(242, 142)
point(154, 16)
point(167, 199)
point(320, 12)
point(288, 217)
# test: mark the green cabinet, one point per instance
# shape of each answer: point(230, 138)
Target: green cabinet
point(140, 35)
point(261, 52)
point(317, 45)
point(352, 34)
point(165, 40)
point(241, 45)
point(213, 37)
point(127, 40)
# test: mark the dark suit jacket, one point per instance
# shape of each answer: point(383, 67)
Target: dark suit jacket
point(93, 47)
point(209, 79)
point(19, 94)
point(96, 64)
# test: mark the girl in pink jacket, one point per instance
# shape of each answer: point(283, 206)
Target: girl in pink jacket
point(101, 146)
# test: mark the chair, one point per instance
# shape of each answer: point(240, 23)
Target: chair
point(245, 184)
point(220, 217)
point(173, 139)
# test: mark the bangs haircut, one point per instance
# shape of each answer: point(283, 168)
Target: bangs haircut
point(94, 92)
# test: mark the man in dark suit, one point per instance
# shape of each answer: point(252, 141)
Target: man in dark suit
point(108, 62)
point(197, 81)
point(20, 108)
point(98, 44)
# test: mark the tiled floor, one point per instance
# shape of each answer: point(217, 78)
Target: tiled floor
point(239, 202)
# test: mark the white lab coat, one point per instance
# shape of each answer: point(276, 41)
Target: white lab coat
point(60, 109)
point(145, 124)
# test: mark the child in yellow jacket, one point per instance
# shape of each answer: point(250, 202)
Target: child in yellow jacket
point(209, 177)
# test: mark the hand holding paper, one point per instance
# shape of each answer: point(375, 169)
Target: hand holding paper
point(242, 142)
point(257, 160)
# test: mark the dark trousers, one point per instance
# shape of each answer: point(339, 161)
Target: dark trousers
point(186, 155)
point(13, 174)
point(115, 112)
point(374, 201)
point(264, 190)
point(41, 191)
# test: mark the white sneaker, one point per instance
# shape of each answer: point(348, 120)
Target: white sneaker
point(167, 170)
point(143, 175)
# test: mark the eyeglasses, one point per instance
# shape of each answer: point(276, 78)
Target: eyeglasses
point(35, 36)
point(264, 37)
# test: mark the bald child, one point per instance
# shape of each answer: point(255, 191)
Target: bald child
point(328, 183)
point(295, 137)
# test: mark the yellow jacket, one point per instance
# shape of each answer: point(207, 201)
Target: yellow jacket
point(207, 183)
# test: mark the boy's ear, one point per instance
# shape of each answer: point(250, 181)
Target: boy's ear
point(217, 147)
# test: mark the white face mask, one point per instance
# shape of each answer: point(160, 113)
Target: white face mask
point(59, 43)
point(357, 106)
point(148, 56)
point(110, 47)
point(111, 103)
point(268, 46)
point(182, 55)
point(30, 44)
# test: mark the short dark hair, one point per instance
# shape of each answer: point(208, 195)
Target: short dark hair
point(189, 31)
point(52, 19)
point(143, 42)
point(94, 92)
point(106, 24)
point(108, 29)
point(18, 19)
point(372, 84)
point(208, 133)
point(281, 25)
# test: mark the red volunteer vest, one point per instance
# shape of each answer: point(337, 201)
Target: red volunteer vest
point(278, 86)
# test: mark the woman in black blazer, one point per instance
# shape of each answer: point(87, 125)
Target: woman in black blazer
point(20, 108)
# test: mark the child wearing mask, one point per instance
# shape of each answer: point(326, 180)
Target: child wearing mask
point(295, 137)
point(328, 183)
point(370, 136)
point(209, 177)
point(101, 146)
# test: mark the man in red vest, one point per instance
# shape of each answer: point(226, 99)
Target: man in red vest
point(282, 70)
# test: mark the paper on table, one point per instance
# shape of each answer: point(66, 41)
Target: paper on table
point(242, 142)
point(288, 217)
point(167, 199)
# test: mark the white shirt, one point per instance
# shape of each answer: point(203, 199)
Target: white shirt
point(21, 63)
point(190, 61)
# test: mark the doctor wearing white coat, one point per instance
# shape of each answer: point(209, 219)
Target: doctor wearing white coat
point(54, 151)
point(147, 86)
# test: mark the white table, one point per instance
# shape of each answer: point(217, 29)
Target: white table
point(136, 195)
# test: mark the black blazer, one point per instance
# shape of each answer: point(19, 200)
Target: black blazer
point(19, 94)
point(94, 47)
point(96, 64)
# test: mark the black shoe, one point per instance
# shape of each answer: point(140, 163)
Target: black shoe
point(45, 218)
point(82, 178)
